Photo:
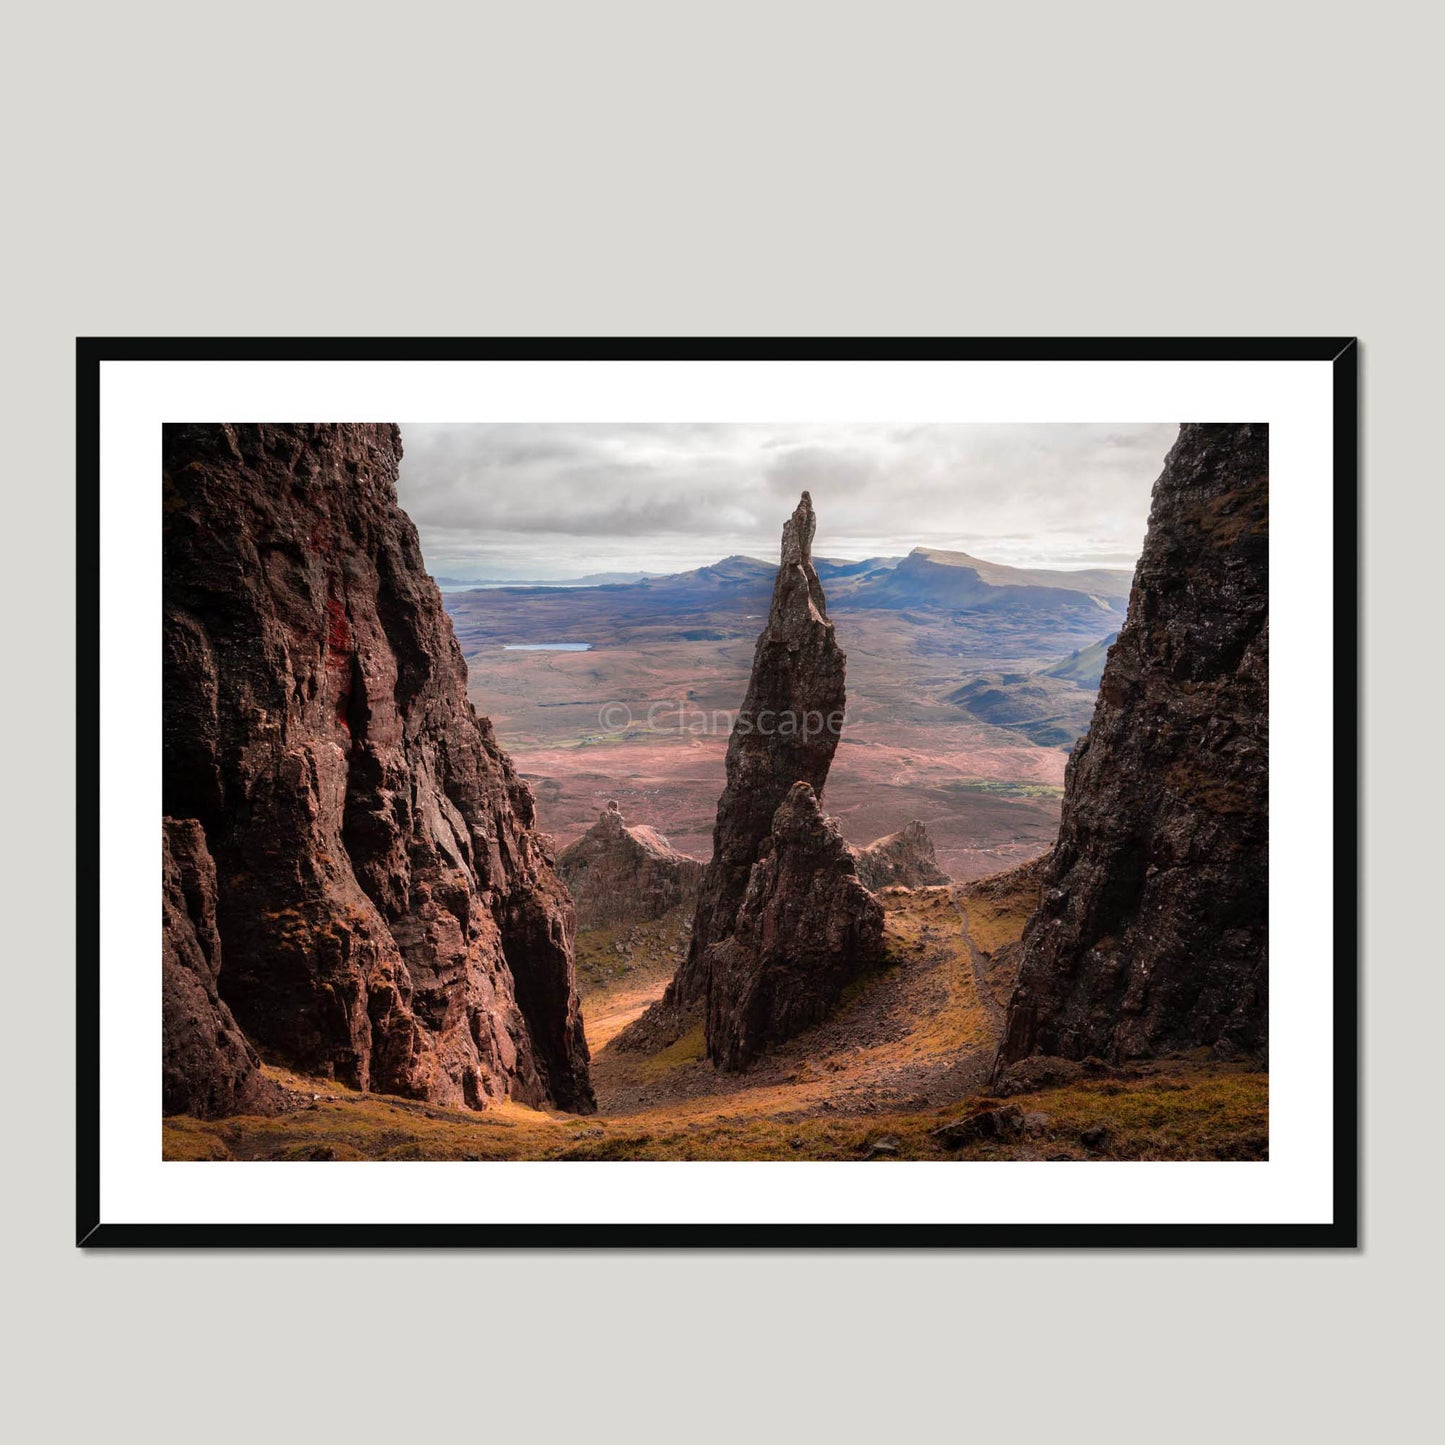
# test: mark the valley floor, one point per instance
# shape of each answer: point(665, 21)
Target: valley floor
point(644, 718)
point(889, 1076)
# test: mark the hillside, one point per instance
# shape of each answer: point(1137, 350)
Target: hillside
point(929, 577)
point(1049, 711)
point(1085, 667)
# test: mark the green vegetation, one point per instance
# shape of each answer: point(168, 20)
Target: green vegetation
point(1006, 788)
point(691, 1048)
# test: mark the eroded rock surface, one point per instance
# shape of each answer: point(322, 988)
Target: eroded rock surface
point(782, 923)
point(208, 1068)
point(807, 927)
point(1152, 932)
point(905, 858)
point(620, 875)
point(786, 732)
point(389, 914)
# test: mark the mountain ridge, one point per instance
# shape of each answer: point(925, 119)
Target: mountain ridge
point(743, 567)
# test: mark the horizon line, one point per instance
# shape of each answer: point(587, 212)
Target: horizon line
point(639, 573)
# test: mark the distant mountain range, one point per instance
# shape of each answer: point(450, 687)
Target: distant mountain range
point(926, 577)
point(737, 568)
point(592, 579)
point(946, 603)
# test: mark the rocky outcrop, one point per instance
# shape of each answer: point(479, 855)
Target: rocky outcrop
point(619, 875)
point(806, 928)
point(389, 914)
point(786, 732)
point(905, 858)
point(207, 1066)
point(1152, 932)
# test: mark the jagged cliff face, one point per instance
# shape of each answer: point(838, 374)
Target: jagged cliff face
point(208, 1068)
point(787, 732)
point(807, 927)
point(1152, 933)
point(902, 859)
point(388, 913)
point(619, 875)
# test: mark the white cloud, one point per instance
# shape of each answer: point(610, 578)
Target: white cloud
point(561, 500)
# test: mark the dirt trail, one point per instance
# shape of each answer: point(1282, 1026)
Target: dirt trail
point(983, 985)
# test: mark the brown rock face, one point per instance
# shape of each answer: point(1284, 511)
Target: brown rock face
point(1152, 933)
point(805, 930)
point(903, 858)
point(389, 914)
point(207, 1066)
point(782, 922)
point(619, 875)
point(786, 732)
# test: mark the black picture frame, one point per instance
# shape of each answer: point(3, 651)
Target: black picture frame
point(1343, 1231)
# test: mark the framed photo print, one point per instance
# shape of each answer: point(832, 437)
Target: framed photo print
point(734, 792)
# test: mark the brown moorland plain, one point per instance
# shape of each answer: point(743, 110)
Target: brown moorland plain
point(643, 716)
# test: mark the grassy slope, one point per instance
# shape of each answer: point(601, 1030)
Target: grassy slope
point(621, 970)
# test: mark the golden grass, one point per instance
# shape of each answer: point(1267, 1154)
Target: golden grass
point(993, 927)
point(1180, 1111)
point(999, 907)
point(930, 925)
point(691, 1048)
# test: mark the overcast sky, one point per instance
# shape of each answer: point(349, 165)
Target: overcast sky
point(562, 500)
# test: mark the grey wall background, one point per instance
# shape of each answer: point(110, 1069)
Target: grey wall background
point(750, 168)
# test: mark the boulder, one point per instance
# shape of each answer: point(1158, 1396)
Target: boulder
point(999, 1125)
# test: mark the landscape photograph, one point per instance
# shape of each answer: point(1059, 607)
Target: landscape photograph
point(718, 791)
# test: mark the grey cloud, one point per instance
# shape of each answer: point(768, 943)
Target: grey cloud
point(562, 499)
